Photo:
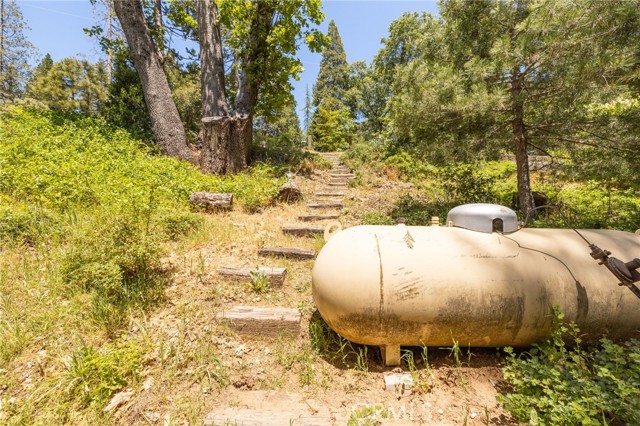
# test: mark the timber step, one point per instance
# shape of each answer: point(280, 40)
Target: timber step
point(303, 231)
point(248, 417)
point(342, 175)
point(329, 194)
point(342, 183)
point(312, 217)
point(287, 252)
point(325, 205)
point(262, 321)
point(276, 275)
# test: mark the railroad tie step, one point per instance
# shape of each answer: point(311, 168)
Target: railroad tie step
point(287, 252)
point(325, 205)
point(262, 321)
point(303, 230)
point(313, 217)
point(276, 276)
point(329, 194)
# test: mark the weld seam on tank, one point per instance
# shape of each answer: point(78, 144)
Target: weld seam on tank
point(381, 279)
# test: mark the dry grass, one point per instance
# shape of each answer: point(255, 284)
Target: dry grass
point(193, 363)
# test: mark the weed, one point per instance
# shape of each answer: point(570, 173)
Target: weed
point(307, 373)
point(421, 379)
point(553, 384)
point(329, 345)
point(92, 376)
point(457, 356)
point(368, 415)
point(259, 282)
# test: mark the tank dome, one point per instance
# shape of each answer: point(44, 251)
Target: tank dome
point(483, 217)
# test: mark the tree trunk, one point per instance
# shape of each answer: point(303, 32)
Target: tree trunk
point(519, 132)
point(212, 80)
point(225, 144)
point(165, 120)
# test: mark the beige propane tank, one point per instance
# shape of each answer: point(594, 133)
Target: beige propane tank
point(409, 285)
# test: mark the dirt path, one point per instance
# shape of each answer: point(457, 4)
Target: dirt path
point(203, 370)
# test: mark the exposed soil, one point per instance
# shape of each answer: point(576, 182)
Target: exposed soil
point(203, 371)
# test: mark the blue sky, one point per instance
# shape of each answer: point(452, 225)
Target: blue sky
point(57, 29)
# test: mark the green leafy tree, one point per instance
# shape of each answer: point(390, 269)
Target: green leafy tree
point(332, 126)
point(511, 75)
point(14, 51)
point(71, 85)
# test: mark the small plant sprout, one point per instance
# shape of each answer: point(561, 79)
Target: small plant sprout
point(259, 282)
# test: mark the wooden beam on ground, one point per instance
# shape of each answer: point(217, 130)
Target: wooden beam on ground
point(325, 205)
point(210, 201)
point(276, 275)
point(262, 417)
point(329, 194)
point(342, 175)
point(291, 253)
point(262, 321)
point(340, 184)
point(312, 217)
point(303, 231)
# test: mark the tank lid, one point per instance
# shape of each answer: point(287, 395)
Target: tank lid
point(483, 217)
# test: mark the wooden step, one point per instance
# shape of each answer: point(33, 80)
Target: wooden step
point(262, 417)
point(325, 205)
point(329, 194)
point(342, 184)
point(342, 175)
point(262, 321)
point(303, 231)
point(276, 275)
point(287, 252)
point(312, 217)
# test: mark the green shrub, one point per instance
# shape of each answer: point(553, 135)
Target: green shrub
point(21, 224)
point(408, 167)
point(117, 260)
point(555, 385)
point(92, 376)
point(177, 224)
point(376, 218)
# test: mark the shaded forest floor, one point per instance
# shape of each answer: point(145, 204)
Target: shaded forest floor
point(198, 369)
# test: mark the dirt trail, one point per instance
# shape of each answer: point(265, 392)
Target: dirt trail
point(202, 371)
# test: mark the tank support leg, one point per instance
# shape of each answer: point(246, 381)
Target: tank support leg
point(390, 354)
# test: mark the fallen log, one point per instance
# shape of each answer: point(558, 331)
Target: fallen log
point(289, 192)
point(210, 201)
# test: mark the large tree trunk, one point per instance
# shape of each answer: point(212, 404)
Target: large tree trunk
point(165, 120)
point(224, 148)
point(227, 138)
point(519, 132)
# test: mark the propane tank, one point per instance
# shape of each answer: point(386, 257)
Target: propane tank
point(410, 285)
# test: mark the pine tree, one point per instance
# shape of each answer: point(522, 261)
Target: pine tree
point(332, 121)
point(14, 51)
point(307, 111)
point(70, 85)
point(333, 77)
